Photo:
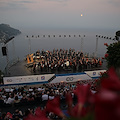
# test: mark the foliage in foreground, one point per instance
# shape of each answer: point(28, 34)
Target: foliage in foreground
point(103, 105)
point(113, 55)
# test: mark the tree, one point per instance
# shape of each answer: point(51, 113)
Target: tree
point(117, 35)
point(113, 55)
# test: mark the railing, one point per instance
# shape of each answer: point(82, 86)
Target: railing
point(9, 65)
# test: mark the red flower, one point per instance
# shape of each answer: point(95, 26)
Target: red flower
point(41, 114)
point(106, 44)
point(107, 101)
point(78, 111)
point(54, 106)
point(69, 99)
point(82, 93)
point(106, 55)
point(107, 105)
point(112, 82)
point(32, 117)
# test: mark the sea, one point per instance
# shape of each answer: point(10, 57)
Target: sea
point(31, 40)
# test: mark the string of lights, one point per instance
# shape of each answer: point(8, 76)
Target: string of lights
point(102, 37)
point(30, 37)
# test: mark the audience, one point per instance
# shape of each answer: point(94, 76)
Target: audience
point(23, 96)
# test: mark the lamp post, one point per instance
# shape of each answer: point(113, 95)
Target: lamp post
point(96, 49)
point(29, 46)
point(82, 42)
point(29, 43)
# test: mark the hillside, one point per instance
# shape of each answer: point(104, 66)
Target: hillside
point(6, 32)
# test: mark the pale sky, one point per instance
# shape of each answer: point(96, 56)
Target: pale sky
point(103, 14)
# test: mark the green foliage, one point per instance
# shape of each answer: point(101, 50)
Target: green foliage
point(113, 51)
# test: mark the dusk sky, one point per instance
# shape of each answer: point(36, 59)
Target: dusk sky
point(103, 14)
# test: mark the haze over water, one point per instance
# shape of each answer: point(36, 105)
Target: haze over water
point(19, 46)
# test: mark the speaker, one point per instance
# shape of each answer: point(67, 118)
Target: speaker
point(4, 51)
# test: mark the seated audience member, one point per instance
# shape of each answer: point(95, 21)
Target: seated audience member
point(1, 101)
point(44, 96)
point(7, 90)
point(51, 96)
point(30, 97)
point(17, 115)
point(24, 99)
point(20, 96)
point(10, 99)
point(30, 89)
point(16, 99)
